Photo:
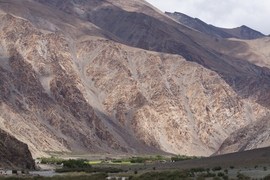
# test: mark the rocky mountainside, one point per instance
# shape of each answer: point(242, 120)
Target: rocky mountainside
point(247, 138)
point(13, 153)
point(242, 32)
point(120, 76)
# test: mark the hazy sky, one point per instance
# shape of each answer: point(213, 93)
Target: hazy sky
point(223, 13)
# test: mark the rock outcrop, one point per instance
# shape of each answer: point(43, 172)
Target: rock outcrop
point(14, 154)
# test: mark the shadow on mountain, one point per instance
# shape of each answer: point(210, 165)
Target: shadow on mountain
point(132, 144)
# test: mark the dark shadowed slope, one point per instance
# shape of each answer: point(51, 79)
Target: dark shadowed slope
point(251, 158)
point(14, 153)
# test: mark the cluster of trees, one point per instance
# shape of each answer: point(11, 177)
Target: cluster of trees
point(193, 173)
point(143, 159)
point(82, 165)
point(51, 160)
point(183, 158)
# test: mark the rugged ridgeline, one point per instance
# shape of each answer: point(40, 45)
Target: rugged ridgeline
point(242, 32)
point(13, 153)
point(69, 82)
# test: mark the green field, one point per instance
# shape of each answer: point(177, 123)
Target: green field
point(113, 163)
point(94, 162)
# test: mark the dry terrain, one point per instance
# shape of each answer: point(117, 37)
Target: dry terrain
point(122, 77)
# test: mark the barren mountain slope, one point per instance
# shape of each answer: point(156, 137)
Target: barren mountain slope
point(255, 51)
point(42, 95)
point(243, 68)
point(177, 106)
point(78, 91)
point(139, 24)
point(253, 136)
point(110, 97)
point(244, 32)
point(147, 28)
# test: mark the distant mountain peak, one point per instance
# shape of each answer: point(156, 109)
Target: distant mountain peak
point(242, 32)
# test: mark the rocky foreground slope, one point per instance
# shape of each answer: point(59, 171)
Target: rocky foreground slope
point(13, 153)
point(70, 82)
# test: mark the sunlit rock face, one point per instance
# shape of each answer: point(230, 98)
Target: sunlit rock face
point(164, 100)
point(68, 85)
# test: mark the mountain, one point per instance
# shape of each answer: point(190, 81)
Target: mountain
point(242, 32)
point(247, 138)
point(120, 76)
point(13, 153)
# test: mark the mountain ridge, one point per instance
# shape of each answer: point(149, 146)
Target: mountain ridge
point(242, 32)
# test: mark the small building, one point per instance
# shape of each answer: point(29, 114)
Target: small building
point(5, 172)
point(8, 172)
point(118, 178)
point(2, 171)
point(37, 161)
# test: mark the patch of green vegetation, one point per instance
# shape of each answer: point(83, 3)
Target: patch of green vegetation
point(94, 162)
point(120, 163)
point(183, 158)
point(193, 173)
point(221, 174)
point(51, 160)
point(82, 165)
point(198, 169)
point(217, 168)
point(166, 175)
point(144, 159)
point(113, 162)
point(241, 176)
point(76, 163)
point(90, 170)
